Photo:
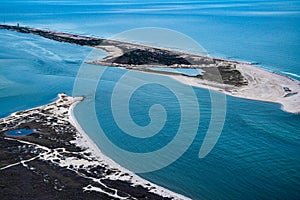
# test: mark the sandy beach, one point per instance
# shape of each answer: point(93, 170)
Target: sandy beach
point(84, 141)
point(262, 85)
point(59, 142)
point(233, 78)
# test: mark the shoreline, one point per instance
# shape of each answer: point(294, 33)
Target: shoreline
point(238, 79)
point(270, 90)
point(60, 157)
point(86, 142)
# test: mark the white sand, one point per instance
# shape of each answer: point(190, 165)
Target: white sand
point(86, 142)
point(268, 86)
point(262, 85)
point(58, 110)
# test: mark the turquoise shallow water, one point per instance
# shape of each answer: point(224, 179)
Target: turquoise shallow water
point(257, 155)
point(34, 70)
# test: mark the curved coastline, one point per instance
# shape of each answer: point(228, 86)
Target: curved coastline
point(263, 86)
point(61, 159)
point(238, 79)
point(86, 142)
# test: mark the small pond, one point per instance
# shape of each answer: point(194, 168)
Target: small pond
point(185, 71)
point(19, 132)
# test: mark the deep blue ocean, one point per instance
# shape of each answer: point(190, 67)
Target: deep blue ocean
point(258, 153)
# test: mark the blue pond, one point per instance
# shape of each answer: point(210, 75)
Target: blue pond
point(19, 132)
point(185, 71)
point(257, 155)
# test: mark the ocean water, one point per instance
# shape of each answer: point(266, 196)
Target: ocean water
point(257, 154)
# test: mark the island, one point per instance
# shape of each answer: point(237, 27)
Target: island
point(239, 79)
point(44, 154)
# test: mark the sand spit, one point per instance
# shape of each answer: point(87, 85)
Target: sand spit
point(60, 143)
point(234, 78)
point(262, 85)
